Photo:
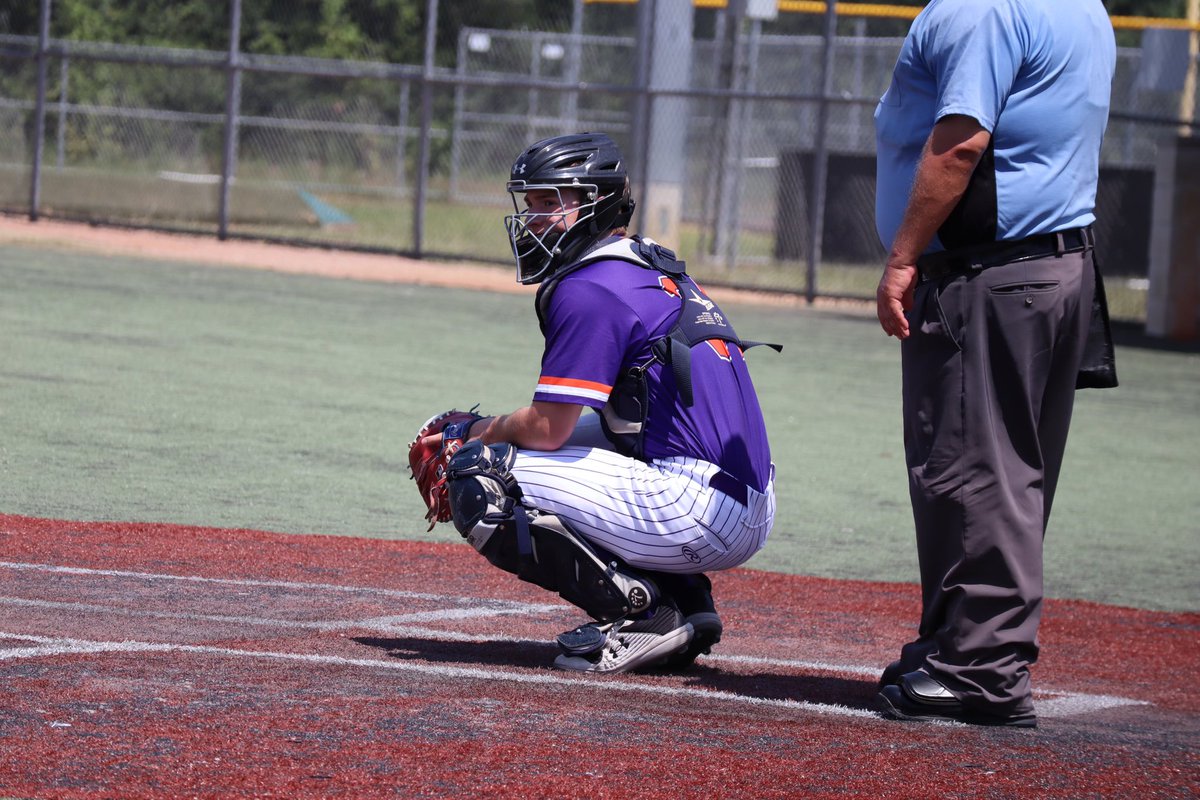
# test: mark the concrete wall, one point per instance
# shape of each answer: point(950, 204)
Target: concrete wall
point(1173, 304)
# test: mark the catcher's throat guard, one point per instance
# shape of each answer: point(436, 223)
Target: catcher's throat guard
point(536, 547)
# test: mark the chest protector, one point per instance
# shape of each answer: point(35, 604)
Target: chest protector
point(699, 320)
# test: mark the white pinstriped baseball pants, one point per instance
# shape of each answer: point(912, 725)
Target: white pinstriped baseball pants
point(659, 516)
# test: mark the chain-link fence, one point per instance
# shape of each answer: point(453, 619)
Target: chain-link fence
point(748, 128)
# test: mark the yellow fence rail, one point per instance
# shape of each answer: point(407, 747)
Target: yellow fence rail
point(910, 12)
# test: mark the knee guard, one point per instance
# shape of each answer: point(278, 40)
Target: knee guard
point(485, 503)
point(482, 491)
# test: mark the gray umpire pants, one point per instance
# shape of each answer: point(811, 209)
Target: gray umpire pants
point(989, 385)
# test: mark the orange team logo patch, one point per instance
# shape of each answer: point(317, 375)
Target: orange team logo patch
point(722, 348)
point(669, 286)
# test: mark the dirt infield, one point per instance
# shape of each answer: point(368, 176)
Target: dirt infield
point(142, 660)
point(320, 261)
point(255, 255)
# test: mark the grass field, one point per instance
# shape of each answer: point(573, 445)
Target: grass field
point(153, 391)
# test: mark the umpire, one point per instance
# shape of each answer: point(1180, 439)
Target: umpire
point(988, 156)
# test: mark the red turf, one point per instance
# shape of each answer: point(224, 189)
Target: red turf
point(234, 711)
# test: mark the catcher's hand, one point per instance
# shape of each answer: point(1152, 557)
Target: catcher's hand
point(437, 441)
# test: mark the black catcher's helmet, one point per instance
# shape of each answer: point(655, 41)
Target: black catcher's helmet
point(588, 162)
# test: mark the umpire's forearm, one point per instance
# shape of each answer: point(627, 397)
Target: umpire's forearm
point(951, 155)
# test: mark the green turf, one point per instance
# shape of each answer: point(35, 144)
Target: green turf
point(139, 390)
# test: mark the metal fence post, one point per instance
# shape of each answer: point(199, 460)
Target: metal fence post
point(709, 243)
point(532, 128)
point(402, 138)
point(816, 212)
point(61, 133)
point(730, 155)
point(641, 119)
point(574, 67)
point(233, 103)
point(457, 122)
point(423, 143)
point(747, 80)
point(39, 111)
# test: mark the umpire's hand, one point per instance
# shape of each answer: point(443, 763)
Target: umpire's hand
point(895, 296)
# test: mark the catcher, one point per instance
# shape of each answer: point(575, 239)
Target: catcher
point(622, 511)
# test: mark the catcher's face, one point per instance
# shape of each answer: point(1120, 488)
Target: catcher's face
point(552, 210)
point(543, 228)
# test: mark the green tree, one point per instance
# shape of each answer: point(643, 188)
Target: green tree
point(377, 30)
point(183, 23)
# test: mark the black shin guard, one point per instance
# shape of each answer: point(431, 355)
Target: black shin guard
point(560, 560)
point(538, 548)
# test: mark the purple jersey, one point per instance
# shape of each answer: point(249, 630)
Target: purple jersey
point(601, 321)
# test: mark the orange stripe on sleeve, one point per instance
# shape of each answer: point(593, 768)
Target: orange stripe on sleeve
point(573, 383)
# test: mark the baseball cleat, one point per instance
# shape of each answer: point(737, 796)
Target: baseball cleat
point(706, 632)
point(626, 644)
point(586, 639)
point(693, 595)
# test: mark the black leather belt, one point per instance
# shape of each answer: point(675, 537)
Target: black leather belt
point(724, 482)
point(995, 254)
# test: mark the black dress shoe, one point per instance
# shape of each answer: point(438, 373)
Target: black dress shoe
point(916, 697)
point(891, 674)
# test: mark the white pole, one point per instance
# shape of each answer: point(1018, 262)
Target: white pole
point(1187, 101)
point(39, 119)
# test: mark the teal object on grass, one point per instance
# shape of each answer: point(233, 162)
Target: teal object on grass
point(326, 214)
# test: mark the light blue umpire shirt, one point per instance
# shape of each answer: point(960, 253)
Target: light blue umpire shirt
point(1036, 74)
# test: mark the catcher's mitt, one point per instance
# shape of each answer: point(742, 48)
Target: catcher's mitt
point(428, 462)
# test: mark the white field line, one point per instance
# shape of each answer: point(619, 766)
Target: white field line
point(1053, 704)
point(388, 623)
point(53, 646)
point(401, 623)
point(1073, 704)
point(1050, 704)
point(156, 576)
point(1064, 705)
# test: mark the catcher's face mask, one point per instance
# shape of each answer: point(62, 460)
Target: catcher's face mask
point(552, 219)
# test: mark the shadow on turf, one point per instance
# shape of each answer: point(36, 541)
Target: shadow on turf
point(500, 653)
point(819, 688)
